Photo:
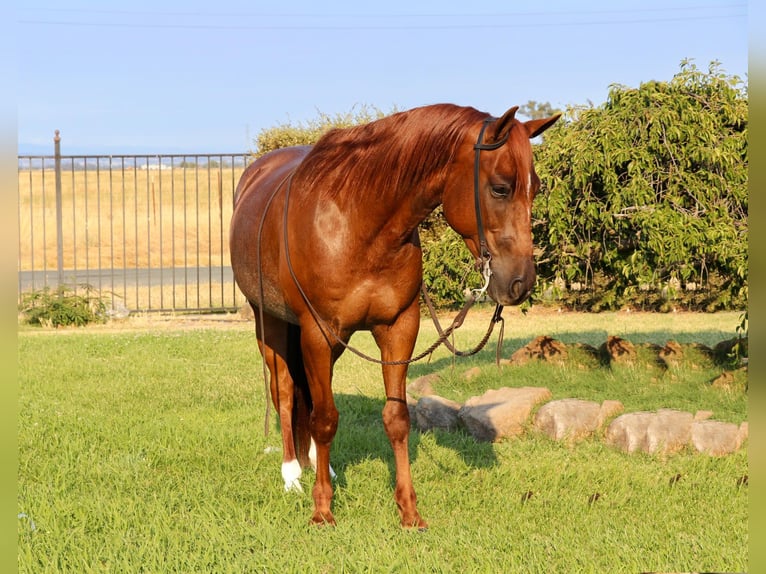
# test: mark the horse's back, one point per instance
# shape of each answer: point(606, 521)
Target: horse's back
point(256, 177)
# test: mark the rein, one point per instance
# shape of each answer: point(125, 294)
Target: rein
point(483, 263)
point(444, 334)
point(484, 254)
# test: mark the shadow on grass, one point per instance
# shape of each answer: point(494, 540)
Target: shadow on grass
point(361, 437)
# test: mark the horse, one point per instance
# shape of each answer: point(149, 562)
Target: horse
point(324, 242)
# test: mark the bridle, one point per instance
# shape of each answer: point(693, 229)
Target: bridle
point(483, 263)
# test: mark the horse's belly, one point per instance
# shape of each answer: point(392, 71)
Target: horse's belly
point(274, 304)
point(267, 295)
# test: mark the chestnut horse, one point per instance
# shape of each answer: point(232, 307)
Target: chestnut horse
point(324, 242)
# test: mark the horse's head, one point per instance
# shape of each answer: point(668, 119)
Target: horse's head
point(488, 201)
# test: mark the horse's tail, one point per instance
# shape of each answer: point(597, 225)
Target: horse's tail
point(302, 404)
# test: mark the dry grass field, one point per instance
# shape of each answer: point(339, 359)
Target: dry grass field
point(125, 216)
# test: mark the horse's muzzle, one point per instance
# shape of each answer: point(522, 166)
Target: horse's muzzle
point(514, 287)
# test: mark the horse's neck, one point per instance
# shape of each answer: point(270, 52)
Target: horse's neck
point(409, 208)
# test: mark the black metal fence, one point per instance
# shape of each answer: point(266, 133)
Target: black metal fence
point(143, 232)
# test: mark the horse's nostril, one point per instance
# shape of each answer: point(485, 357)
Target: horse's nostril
point(517, 288)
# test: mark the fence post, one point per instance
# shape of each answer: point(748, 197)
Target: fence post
point(59, 210)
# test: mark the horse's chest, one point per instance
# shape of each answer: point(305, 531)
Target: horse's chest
point(383, 296)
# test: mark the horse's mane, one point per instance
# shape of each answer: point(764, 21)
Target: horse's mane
point(395, 152)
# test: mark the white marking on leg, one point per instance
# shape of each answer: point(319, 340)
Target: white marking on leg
point(291, 474)
point(313, 454)
point(313, 458)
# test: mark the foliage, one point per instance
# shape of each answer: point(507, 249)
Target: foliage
point(644, 199)
point(535, 110)
point(286, 135)
point(62, 307)
point(448, 266)
point(646, 196)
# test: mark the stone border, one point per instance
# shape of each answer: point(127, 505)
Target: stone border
point(506, 412)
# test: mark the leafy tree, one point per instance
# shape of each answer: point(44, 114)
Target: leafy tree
point(535, 110)
point(646, 196)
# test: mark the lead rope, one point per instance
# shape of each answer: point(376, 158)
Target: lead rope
point(497, 317)
point(483, 263)
point(443, 335)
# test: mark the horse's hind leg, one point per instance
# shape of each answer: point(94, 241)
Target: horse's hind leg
point(275, 340)
point(319, 360)
point(396, 343)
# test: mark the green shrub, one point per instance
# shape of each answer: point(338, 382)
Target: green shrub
point(643, 204)
point(287, 135)
point(448, 266)
point(62, 307)
point(645, 197)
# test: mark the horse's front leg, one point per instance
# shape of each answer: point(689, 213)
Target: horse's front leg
point(396, 343)
point(319, 360)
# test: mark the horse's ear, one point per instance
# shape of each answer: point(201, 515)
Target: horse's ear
point(536, 127)
point(503, 125)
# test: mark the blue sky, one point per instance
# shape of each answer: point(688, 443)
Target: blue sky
point(165, 76)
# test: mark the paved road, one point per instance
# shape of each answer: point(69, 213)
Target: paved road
point(116, 278)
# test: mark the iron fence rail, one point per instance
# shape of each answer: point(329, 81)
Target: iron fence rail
point(144, 232)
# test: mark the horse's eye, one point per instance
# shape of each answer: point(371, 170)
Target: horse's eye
point(501, 190)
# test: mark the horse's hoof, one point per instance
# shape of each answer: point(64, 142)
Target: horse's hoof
point(416, 524)
point(294, 486)
point(320, 519)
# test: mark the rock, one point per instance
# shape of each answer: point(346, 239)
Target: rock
point(571, 419)
point(669, 431)
point(436, 412)
point(730, 347)
point(246, 312)
point(412, 404)
point(665, 431)
point(423, 386)
point(500, 413)
point(628, 432)
point(619, 350)
point(574, 419)
point(542, 348)
point(118, 311)
point(718, 438)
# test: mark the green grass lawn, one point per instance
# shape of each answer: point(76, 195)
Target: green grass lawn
point(142, 450)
